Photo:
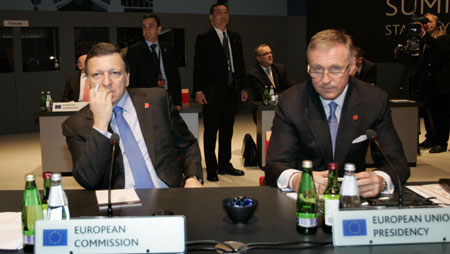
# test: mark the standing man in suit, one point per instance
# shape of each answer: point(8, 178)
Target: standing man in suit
point(325, 119)
point(267, 73)
point(219, 84)
point(153, 63)
point(76, 86)
point(156, 149)
point(364, 70)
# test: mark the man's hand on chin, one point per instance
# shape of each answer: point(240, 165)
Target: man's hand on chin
point(101, 107)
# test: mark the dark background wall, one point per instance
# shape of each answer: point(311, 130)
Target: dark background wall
point(282, 24)
point(22, 89)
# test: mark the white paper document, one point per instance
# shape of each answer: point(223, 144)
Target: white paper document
point(434, 191)
point(119, 198)
point(11, 231)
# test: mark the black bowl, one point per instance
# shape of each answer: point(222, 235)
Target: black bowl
point(240, 209)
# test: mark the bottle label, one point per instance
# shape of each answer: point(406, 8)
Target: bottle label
point(28, 240)
point(349, 186)
point(307, 220)
point(331, 204)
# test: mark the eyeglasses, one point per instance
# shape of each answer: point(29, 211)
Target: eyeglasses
point(333, 71)
point(265, 53)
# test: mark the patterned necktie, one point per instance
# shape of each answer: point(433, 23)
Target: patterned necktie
point(142, 178)
point(226, 49)
point(269, 75)
point(155, 56)
point(333, 124)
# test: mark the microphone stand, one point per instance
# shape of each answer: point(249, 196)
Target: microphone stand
point(114, 141)
point(400, 191)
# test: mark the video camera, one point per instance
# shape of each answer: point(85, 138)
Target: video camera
point(413, 31)
point(414, 27)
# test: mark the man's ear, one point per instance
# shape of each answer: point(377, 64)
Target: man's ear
point(128, 79)
point(352, 63)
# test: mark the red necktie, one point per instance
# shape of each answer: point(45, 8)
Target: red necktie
point(86, 91)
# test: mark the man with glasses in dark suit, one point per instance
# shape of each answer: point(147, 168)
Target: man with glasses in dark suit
point(326, 118)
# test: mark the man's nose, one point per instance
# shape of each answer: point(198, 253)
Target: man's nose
point(106, 80)
point(325, 77)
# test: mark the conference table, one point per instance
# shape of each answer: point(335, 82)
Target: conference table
point(273, 220)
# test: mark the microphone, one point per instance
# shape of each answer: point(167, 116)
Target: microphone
point(114, 141)
point(373, 138)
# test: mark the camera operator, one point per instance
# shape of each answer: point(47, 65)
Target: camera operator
point(436, 84)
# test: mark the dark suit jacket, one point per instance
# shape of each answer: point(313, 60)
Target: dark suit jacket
point(72, 90)
point(210, 63)
point(368, 72)
point(143, 72)
point(436, 65)
point(258, 80)
point(300, 132)
point(168, 140)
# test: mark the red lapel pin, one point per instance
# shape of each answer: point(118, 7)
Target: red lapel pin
point(355, 117)
point(146, 105)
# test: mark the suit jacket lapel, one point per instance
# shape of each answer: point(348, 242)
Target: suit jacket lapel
point(146, 51)
point(164, 56)
point(217, 43)
point(145, 118)
point(318, 123)
point(266, 79)
point(348, 124)
point(76, 87)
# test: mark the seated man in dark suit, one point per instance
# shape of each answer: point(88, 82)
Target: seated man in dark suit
point(325, 119)
point(267, 73)
point(156, 149)
point(75, 85)
point(153, 63)
point(364, 70)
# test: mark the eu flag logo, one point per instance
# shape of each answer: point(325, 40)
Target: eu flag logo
point(55, 237)
point(354, 227)
point(57, 106)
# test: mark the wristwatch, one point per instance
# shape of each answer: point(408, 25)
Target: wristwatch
point(384, 185)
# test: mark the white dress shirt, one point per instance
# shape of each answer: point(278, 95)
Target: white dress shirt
point(83, 79)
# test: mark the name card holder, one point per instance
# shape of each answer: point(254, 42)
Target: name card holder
point(391, 226)
point(156, 234)
point(68, 106)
